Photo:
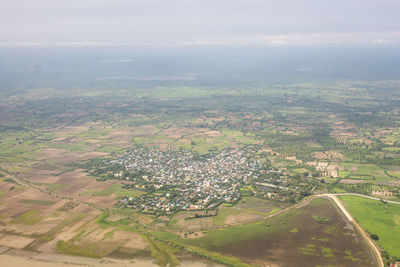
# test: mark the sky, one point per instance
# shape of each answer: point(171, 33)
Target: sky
point(200, 22)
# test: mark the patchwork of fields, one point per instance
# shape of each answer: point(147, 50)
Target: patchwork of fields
point(59, 194)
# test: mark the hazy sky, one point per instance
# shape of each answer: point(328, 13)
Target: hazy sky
point(261, 22)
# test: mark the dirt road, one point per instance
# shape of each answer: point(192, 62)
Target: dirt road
point(370, 243)
point(364, 196)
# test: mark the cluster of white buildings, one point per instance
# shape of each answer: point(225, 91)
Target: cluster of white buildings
point(182, 180)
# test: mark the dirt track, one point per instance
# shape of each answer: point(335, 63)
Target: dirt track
point(370, 243)
point(346, 213)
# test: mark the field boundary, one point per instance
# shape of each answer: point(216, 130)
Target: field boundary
point(348, 216)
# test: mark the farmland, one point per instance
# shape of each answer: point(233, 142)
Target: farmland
point(313, 234)
point(379, 218)
point(198, 172)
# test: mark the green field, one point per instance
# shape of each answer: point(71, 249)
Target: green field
point(360, 171)
point(377, 218)
point(31, 217)
point(52, 186)
point(105, 192)
point(128, 193)
point(109, 190)
point(67, 247)
point(246, 206)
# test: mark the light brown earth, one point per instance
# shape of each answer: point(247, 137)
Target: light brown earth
point(15, 241)
point(351, 181)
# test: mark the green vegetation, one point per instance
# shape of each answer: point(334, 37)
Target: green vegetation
point(350, 256)
point(37, 202)
point(129, 193)
point(320, 219)
point(308, 250)
point(377, 218)
point(286, 226)
point(325, 136)
point(171, 240)
point(110, 149)
point(218, 238)
point(67, 247)
point(359, 171)
point(163, 253)
point(122, 224)
point(105, 192)
point(31, 217)
point(53, 186)
point(18, 188)
point(327, 252)
point(69, 221)
point(109, 190)
point(247, 207)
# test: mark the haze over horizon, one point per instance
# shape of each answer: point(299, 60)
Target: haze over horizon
point(179, 22)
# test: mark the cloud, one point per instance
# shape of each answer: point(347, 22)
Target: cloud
point(193, 22)
point(151, 78)
point(315, 39)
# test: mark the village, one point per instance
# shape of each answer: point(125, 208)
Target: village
point(181, 180)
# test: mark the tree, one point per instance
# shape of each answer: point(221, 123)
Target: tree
point(374, 236)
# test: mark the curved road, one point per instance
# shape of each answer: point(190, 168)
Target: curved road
point(364, 196)
point(334, 197)
point(371, 243)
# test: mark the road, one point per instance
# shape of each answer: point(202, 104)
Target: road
point(347, 214)
point(364, 196)
point(333, 197)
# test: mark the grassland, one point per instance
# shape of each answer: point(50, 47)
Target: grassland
point(248, 209)
point(66, 247)
point(52, 186)
point(363, 171)
point(114, 189)
point(377, 218)
point(31, 217)
point(128, 193)
point(109, 190)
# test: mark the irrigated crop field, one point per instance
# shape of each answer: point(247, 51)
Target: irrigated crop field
point(379, 218)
